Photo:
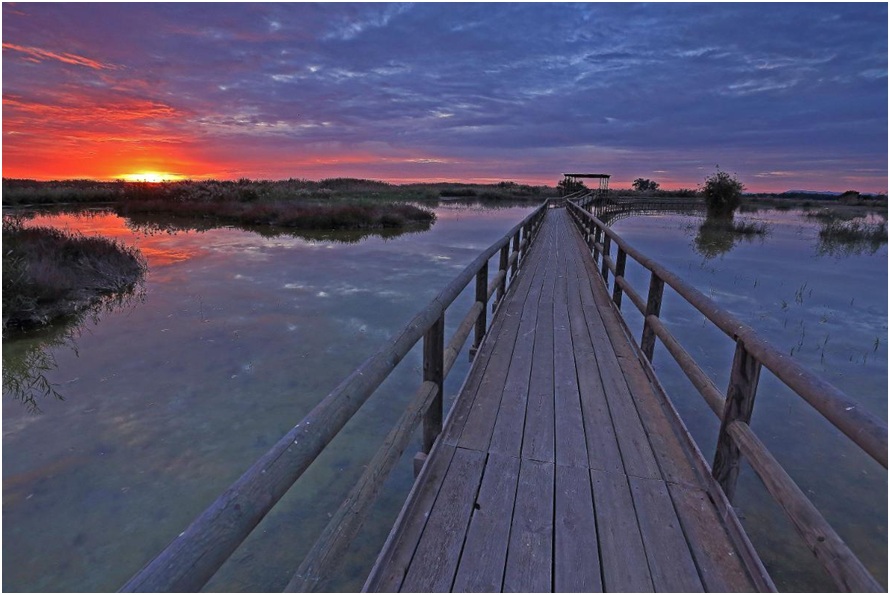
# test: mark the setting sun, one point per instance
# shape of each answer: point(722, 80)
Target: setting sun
point(151, 176)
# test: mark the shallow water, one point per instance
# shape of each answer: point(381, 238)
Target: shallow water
point(824, 305)
point(169, 399)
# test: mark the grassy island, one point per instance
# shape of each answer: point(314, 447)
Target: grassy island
point(50, 274)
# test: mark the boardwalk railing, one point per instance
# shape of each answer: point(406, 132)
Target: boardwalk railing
point(736, 438)
point(191, 559)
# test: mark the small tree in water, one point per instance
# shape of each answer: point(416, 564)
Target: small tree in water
point(723, 194)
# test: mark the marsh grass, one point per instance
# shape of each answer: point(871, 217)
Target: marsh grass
point(49, 273)
point(855, 236)
point(327, 191)
point(731, 226)
point(832, 215)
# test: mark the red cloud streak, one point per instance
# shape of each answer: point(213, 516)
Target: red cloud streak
point(39, 55)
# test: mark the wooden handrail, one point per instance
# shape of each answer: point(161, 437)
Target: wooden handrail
point(193, 557)
point(736, 437)
point(841, 563)
point(866, 430)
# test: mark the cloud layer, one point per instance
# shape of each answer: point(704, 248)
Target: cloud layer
point(786, 96)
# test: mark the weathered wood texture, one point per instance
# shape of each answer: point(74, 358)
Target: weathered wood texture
point(562, 465)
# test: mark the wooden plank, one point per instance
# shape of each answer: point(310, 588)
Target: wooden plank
point(719, 564)
point(602, 444)
point(571, 446)
point(576, 565)
point(434, 564)
point(670, 442)
point(677, 454)
point(623, 556)
point(538, 434)
point(397, 552)
point(481, 568)
point(511, 355)
point(471, 403)
point(506, 437)
point(636, 452)
point(670, 561)
point(530, 552)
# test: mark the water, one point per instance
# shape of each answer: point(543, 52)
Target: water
point(827, 307)
point(169, 399)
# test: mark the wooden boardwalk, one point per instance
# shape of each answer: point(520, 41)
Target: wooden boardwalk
point(562, 466)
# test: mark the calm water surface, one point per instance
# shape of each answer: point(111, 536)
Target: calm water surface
point(169, 399)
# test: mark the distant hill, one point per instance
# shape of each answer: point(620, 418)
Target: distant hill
point(822, 192)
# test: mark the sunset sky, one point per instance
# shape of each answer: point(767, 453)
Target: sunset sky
point(786, 96)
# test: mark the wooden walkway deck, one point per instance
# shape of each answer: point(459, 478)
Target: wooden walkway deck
point(562, 465)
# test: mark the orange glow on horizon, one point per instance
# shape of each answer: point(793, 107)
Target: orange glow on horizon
point(153, 177)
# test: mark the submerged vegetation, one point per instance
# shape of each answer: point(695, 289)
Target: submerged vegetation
point(847, 231)
point(851, 237)
point(49, 273)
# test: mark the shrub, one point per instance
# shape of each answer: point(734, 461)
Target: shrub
point(723, 194)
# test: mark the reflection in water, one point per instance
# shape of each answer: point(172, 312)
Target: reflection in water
point(28, 356)
point(168, 403)
point(27, 361)
point(719, 235)
point(150, 224)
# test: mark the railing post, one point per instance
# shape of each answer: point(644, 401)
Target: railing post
point(620, 264)
point(597, 238)
point(607, 248)
point(523, 250)
point(739, 405)
point(433, 368)
point(502, 266)
point(482, 298)
point(515, 265)
point(653, 308)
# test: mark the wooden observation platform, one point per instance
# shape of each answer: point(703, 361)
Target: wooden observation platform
point(572, 180)
point(562, 464)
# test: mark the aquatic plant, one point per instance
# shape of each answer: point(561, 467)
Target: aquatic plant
point(855, 236)
point(49, 273)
